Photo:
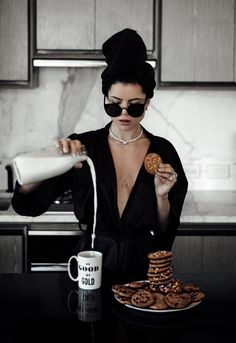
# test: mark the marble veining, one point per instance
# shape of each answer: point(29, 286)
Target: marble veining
point(199, 122)
point(170, 127)
point(76, 93)
point(210, 206)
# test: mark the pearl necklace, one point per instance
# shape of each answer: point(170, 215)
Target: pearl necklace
point(126, 141)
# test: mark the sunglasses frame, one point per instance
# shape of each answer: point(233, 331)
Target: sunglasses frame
point(122, 108)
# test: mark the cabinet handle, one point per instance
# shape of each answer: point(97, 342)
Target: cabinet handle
point(75, 63)
point(54, 233)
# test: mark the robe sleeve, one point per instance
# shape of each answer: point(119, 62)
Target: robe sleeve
point(39, 200)
point(176, 198)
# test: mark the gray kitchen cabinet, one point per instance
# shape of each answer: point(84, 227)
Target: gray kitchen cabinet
point(112, 16)
point(235, 45)
point(15, 43)
point(198, 41)
point(219, 254)
point(205, 248)
point(65, 25)
point(13, 248)
point(78, 27)
point(187, 252)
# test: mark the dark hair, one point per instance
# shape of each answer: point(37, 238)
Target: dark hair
point(126, 57)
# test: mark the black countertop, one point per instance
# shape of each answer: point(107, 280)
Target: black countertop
point(43, 307)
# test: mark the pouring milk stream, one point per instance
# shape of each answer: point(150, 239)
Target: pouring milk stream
point(48, 162)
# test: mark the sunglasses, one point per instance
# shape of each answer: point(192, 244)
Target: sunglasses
point(114, 110)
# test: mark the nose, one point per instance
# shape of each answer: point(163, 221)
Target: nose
point(126, 110)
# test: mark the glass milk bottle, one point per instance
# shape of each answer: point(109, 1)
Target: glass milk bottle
point(43, 164)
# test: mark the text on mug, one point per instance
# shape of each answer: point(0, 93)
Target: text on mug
point(88, 269)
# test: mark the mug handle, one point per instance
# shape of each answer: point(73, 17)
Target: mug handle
point(68, 268)
point(69, 301)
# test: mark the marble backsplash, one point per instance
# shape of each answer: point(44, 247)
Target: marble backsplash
point(201, 123)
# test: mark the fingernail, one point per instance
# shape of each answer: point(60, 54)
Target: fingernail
point(78, 165)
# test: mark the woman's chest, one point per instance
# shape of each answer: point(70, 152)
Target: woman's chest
point(127, 170)
point(127, 162)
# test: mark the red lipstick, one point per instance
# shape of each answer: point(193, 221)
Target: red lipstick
point(124, 121)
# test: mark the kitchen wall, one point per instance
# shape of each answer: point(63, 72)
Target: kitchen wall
point(201, 123)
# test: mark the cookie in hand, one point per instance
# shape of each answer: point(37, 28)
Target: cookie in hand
point(152, 162)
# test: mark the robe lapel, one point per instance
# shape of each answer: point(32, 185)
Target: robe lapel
point(106, 173)
point(142, 190)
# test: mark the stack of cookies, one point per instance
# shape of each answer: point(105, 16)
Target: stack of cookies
point(160, 269)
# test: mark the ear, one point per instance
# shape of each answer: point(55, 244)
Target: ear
point(147, 104)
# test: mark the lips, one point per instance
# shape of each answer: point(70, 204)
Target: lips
point(124, 121)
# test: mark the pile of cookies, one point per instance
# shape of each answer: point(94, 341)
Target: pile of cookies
point(160, 269)
point(161, 290)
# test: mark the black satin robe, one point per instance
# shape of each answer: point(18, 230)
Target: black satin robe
point(124, 241)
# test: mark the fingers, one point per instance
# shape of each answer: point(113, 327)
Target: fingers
point(171, 177)
point(78, 165)
point(167, 173)
point(70, 146)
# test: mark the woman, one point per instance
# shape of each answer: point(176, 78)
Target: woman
point(137, 212)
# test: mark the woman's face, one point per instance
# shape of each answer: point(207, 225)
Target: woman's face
point(125, 94)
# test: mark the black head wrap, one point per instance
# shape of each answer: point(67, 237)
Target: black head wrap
point(126, 56)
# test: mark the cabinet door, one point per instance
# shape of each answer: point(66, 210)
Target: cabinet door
point(197, 41)
point(10, 254)
point(188, 257)
point(65, 25)
point(113, 15)
point(235, 46)
point(207, 253)
point(14, 58)
point(219, 254)
point(13, 248)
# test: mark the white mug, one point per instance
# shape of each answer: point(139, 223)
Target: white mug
point(89, 269)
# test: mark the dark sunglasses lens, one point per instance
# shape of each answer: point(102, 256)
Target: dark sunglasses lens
point(135, 110)
point(113, 110)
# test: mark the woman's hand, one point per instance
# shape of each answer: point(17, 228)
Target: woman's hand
point(164, 179)
point(73, 147)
